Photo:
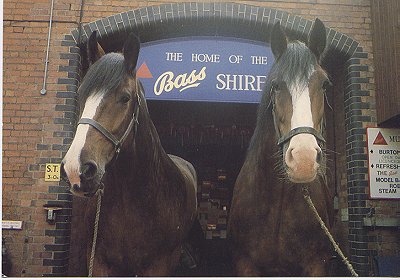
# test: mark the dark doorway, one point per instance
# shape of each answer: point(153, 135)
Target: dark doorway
point(214, 137)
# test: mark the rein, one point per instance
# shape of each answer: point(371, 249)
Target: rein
point(307, 198)
point(117, 146)
point(99, 194)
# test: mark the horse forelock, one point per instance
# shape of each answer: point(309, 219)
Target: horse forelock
point(103, 76)
point(295, 66)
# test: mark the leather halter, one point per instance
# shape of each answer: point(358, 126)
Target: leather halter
point(298, 130)
point(114, 140)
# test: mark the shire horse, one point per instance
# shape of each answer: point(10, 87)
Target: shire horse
point(271, 229)
point(149, 197)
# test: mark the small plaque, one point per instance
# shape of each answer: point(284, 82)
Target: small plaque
point(52, 173)
point(384, 162)
point(11, 224)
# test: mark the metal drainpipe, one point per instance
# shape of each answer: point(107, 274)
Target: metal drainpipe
point(46, 62)
point(80, 22)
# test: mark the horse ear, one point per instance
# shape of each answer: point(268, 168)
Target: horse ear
point(278, 40)
point(131, 52)
point(94, 50)
point(317, 39)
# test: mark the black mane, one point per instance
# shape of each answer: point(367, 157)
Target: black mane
point(106, 74)
point(295, 65)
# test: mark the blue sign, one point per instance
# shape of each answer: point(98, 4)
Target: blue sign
point(216, 69)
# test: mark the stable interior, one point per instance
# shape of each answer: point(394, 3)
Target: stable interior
point(214, 137)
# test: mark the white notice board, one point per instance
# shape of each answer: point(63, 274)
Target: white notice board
point(384, 162)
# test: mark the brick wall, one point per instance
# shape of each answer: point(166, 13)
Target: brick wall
point(37, 129)
point(29, 127)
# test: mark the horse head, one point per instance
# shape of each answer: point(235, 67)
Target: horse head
point(109, 99)
point(297, 87)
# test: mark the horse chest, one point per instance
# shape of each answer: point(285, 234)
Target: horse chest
point(278, 224)
point(132, 227)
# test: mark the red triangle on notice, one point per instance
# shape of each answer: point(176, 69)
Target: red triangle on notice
point(380, 140)
point(144, 72)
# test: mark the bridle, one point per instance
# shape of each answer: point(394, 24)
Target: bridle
point(298, 130)
point(133, 124)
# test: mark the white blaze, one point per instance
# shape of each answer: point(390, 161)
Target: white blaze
point(301, 102)
point(71, 160)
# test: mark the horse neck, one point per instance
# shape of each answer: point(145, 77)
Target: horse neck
point(144, 159)
point(263, 145)
point(261, 160)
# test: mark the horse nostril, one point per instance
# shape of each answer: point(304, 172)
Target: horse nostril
point(76, 187)
point(89, 170)
point(289, 155)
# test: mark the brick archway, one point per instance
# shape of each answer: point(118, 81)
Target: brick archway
point(241, 21)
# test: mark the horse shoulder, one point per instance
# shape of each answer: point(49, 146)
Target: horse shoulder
point(186, 168)
point(243, 200)
point(190, 177)
point(248, 180)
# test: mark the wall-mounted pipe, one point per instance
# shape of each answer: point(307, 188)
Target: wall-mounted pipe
point(80, 21)
point(46, 62)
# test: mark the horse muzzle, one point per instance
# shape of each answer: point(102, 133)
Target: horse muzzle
point(86, 181)
point(302, 159)
point(86, 189)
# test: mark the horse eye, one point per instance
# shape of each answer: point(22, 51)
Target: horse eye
point(326, 85)
point(275, 85)
point(125, 98)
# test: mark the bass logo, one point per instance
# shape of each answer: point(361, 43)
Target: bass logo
point(167, 81)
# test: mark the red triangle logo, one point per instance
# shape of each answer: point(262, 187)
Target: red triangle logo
point(380, 140)
point(144, 72)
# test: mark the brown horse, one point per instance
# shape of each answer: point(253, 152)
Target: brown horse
point(272, 230)
point(149, 197)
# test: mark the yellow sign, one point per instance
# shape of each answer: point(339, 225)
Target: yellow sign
point(52, 173)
